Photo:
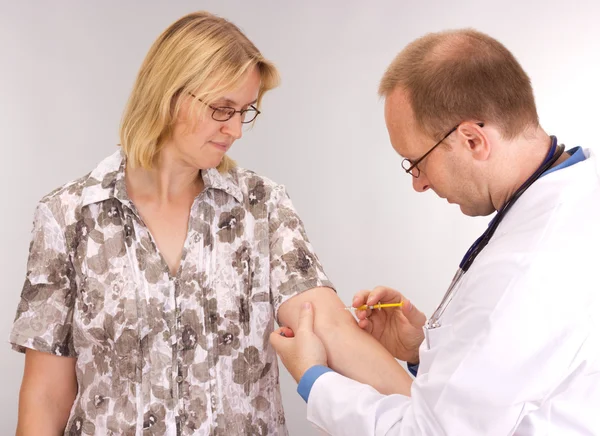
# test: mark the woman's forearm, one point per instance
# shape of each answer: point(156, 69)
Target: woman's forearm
point(350, 350)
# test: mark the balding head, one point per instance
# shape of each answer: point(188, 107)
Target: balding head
point(462, 75)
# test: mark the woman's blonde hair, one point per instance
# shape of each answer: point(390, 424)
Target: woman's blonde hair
point(201, 54)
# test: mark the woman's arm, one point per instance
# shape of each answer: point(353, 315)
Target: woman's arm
point(47, 394)
point(351, 351)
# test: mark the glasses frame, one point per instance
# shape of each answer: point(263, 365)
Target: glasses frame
point(413, 165)
point(250, 109)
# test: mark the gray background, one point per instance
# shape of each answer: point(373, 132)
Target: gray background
point(67, 68)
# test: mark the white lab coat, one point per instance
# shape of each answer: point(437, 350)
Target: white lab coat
point(519, 347)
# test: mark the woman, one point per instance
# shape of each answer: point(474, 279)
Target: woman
point(153, 282)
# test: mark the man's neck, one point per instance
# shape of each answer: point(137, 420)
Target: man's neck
point(524, 155)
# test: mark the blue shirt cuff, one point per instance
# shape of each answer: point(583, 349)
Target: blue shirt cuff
point(413, 369)
point(309, 378)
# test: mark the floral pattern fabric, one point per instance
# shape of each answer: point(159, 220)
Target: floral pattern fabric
point(159, 354)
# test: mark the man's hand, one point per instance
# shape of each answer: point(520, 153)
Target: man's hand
point(399, 329)
point(302, 349)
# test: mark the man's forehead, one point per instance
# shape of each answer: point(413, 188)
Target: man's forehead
point(401, 123)
point(397, 108)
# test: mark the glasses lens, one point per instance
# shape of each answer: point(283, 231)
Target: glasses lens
point(223, 113)
point(249, 115)
point(406, 164)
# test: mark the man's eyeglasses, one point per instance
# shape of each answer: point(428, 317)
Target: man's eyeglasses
point(412, 168)
point(225, 113)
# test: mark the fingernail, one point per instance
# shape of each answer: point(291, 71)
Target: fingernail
point(410, 306)
point(306, 305)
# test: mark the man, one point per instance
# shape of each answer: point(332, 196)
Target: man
point(513, 347)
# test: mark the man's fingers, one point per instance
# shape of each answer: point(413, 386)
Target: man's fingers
point(285, 331)
point(383, 294)
point(279, 342)
point(366, 325)
point(360, 298)
point(306, 318)
point(363, 314)
point(413, 315)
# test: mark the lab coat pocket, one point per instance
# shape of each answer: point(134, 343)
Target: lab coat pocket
point(435, 338)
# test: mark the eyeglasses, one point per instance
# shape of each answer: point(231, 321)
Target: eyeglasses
point(412, 168)
point(225, 113)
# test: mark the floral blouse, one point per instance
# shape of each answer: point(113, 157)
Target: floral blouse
point(160, 354)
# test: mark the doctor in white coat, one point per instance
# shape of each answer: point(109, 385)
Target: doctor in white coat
point(514, 347)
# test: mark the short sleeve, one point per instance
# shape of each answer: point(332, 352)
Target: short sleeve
point(44, 315)
point(294, 265)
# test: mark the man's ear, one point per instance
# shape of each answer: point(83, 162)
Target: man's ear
point(473, 138)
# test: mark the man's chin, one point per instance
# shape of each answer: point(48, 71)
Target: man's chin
point(467, 211)
point(473, 211)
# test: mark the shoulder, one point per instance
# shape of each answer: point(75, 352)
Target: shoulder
point(256, 188)
point(249, 179)
point(66, 201)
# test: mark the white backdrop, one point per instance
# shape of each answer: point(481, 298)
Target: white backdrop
point(67, 68)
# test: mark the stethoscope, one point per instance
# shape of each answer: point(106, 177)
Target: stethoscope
point(434, 322)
